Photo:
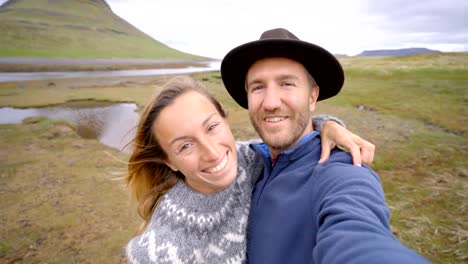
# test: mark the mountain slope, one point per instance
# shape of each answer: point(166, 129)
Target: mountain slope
point(398, 52)
point(74, 28)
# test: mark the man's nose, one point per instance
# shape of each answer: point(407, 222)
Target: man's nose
point(272, 99)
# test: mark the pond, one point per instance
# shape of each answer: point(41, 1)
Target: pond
point(112, 124)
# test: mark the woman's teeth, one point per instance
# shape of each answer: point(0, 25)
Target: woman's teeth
point(218, 167)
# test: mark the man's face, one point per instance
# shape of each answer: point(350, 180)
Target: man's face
point(280, 102)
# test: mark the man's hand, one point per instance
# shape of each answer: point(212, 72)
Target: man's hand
point(334, 134)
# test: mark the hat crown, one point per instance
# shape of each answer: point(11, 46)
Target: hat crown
point(278, 33)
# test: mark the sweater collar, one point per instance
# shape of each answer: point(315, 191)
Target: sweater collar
point(185, 208)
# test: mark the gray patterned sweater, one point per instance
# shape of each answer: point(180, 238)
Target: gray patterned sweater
point(190, 227)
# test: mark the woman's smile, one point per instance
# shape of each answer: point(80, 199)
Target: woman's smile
point(221, 165)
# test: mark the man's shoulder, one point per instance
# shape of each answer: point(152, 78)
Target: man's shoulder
point(338, 178)
point(339, 167)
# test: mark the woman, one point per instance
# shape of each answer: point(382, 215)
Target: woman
point(192, 182)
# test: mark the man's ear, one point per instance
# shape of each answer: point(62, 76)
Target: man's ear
point(170, 165)
point(314, 94)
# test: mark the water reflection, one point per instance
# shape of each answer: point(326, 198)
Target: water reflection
point(112, 124)
point(28, 76)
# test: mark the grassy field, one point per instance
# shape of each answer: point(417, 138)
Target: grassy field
point(62, 200)
point(74, 29)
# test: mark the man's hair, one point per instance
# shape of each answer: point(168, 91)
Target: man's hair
point(311, 80)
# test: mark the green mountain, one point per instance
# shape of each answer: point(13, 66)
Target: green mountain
point(75, 29)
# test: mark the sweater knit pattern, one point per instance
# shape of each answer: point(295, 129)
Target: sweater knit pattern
point(190, 227)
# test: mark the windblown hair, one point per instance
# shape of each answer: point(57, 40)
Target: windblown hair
point(149, 178)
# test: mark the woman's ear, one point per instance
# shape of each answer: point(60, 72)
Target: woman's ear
point(170, 165)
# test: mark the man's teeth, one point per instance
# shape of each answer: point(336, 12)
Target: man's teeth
point(274, 119)
point(219, 167)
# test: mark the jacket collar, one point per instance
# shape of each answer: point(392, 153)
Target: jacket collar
point(295, 150)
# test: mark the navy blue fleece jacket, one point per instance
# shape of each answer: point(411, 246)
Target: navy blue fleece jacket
point(304, 212)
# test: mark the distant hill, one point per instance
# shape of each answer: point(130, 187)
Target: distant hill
point(398, 52)
point(76, 29)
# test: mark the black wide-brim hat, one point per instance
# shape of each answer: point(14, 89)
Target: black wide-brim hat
point(320, 63)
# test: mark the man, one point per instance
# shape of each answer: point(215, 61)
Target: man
point(302, 211)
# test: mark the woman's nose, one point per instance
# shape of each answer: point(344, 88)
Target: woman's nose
point(209, 150)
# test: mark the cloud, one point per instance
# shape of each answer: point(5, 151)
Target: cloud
point(213, 27)
point(447, 17)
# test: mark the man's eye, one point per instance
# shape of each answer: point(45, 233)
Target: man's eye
point(256, 88)
point(288, 84)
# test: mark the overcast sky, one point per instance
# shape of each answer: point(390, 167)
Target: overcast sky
point(213, 27)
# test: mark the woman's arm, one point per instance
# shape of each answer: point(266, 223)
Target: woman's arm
point(334, 133)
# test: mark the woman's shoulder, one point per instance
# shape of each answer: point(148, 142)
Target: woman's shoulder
point(250, 165)
point(245, 152)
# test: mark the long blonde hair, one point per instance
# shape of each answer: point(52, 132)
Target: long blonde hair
point(149, 178)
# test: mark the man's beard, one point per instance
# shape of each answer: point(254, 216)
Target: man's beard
point(300, 121)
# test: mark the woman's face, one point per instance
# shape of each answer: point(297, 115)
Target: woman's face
point(198, 142)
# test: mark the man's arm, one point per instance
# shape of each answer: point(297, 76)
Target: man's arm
point(353, 219)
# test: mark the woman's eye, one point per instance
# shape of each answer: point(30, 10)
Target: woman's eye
point(184, 147)
point(212, 127)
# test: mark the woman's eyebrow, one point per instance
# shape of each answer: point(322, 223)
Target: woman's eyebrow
point(207, 119)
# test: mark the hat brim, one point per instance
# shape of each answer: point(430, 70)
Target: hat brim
point(320, 63)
